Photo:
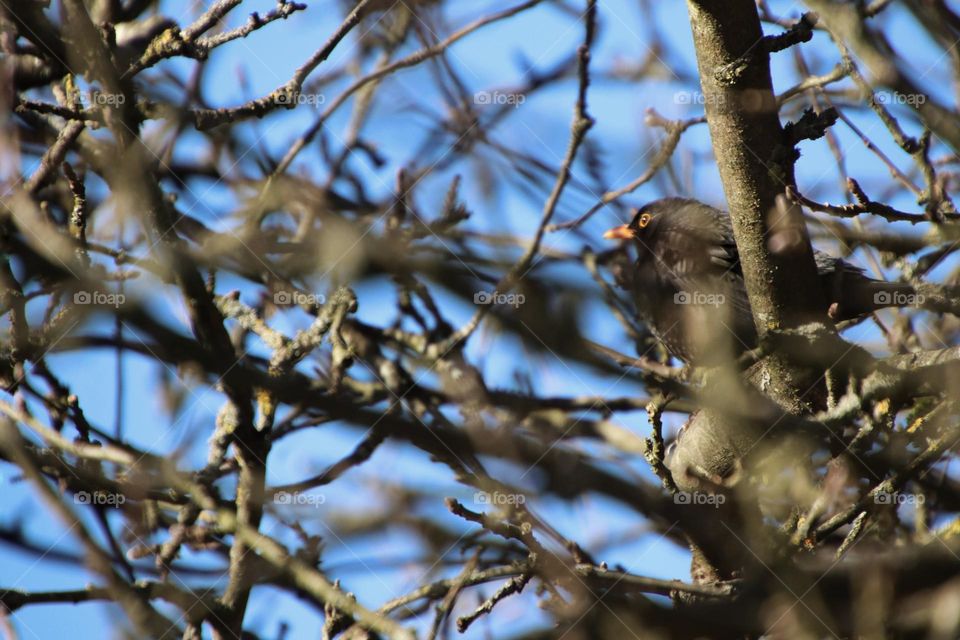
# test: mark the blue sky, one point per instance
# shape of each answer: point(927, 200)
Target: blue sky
point(379, 568)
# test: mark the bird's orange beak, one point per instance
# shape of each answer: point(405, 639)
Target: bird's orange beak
point(623, 232)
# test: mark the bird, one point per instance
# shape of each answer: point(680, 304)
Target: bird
point(688, 287)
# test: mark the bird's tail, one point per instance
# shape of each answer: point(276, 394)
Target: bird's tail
point(853, 295)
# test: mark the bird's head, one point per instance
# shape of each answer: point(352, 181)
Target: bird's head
point(640, 229)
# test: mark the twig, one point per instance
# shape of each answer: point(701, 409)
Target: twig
point(674, 130)
point(863, 205)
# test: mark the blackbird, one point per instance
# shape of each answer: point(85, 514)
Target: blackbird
point(688, 285)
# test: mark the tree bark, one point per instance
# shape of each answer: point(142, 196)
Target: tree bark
point(755, 161)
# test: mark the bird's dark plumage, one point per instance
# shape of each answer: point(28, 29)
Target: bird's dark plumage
point(688, 284)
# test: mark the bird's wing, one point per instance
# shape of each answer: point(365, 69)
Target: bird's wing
point(714, 271)
point(700, 249)
point(827, 264)
point(705, 232)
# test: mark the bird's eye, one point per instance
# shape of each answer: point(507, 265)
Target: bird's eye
point(644, 220)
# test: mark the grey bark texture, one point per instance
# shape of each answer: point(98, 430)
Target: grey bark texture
point(755, 162)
